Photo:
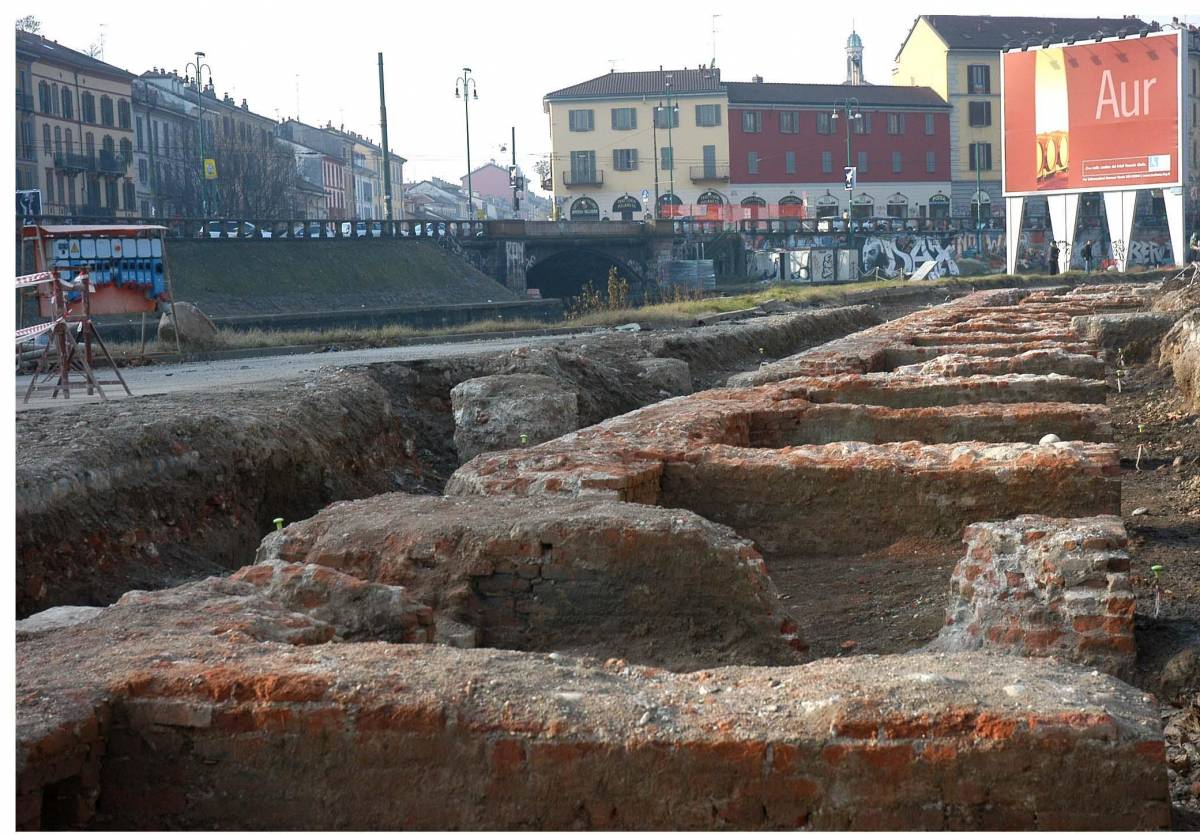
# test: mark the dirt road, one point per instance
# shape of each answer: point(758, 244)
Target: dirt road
point(225, 374)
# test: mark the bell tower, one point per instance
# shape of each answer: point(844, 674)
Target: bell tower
point(854, 65)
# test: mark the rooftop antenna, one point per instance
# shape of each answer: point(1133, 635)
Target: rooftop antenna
point(298, 97)
point(714, 40)
point(612, 64)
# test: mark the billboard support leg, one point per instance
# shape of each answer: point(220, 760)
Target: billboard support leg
point(1013, 206)
point(1118, 210)
point(1063, 209)
point(1173, 198)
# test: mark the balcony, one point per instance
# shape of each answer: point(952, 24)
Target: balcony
point(113, 164)
point(24, 102)
point(74, 162)
point(582, 179)
point(709, 173)
point(26, 153)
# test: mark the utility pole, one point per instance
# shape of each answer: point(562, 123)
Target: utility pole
point(670, 143)
point(850, 107)
point(516, 177)
point(654, 133)
point(468, 90)
point(387, 160)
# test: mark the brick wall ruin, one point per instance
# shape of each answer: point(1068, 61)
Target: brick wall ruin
point(258, 701)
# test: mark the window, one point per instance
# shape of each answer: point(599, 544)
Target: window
point(108, 148)
point(862, 124)
point(825, 123)
point(54, 98)
point(789, 162)
point(68, 104)
point(49, 185)
point(140, 139)
point(44, 97)
point(895, 123)
point(665, 117)
point(980, 114)
point(226, 126)
point(708, 115)
point(143, 170)
point(930, 162)
point(89, 143)
point(751, 121)
point(928, 124)
point(752, 162)
point(625, 159)
point(668, 158)
point(87, 105)
point(58, 146)
point(981, 156)
point(127, 150)
point(130, 196)
point(979, 78)
point(624, 118)
point(897, 162)
point(862, 163)
point(789, 121)
point(106, 111)
point(46, 138)
point(826, 162)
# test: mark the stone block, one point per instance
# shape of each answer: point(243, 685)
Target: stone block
point(509, 411)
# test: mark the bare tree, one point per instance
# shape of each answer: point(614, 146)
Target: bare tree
point(29, 23)
point(254, 180)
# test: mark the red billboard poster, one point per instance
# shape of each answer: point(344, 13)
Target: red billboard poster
point(1092, 117)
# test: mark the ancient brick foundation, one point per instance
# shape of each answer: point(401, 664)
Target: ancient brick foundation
point(647, 584)
point(240, 702)
point(1041, 586)
point(175, 709)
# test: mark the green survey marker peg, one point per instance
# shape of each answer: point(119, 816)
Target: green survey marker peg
point(524, 439)
point(1156, 570)
point(279, 524)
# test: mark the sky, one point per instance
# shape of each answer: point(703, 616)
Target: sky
point(319, 61)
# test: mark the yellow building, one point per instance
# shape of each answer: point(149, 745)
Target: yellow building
point(82, 125)
point(958, 56)
point(622, 138)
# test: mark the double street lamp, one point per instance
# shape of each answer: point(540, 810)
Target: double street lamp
point(199, 66)
point(847, 108)
point(672, 112)
point(464, 88)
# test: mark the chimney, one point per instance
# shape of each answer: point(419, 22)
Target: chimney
point(757, 79)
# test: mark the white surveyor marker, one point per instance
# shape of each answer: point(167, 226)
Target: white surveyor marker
point(1048, 439)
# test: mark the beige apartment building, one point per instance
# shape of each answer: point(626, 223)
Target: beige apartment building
point(80, 114)
point(624, 139)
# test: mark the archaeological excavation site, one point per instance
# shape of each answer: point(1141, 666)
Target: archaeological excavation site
point(931, 562)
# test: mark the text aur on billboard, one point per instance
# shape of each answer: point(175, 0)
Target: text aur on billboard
point(1092, 116)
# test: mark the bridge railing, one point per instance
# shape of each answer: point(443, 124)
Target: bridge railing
point(256, 229)
point(301, 228)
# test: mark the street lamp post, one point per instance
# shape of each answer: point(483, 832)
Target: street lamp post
point(465, 87)
point(978, 207)
point(671, 111)
point(670, 143)
point(199, 66)
point(849, 107)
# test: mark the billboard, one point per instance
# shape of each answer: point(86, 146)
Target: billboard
point(1092, 117)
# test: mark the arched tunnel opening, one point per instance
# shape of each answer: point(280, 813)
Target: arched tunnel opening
point(565, 274)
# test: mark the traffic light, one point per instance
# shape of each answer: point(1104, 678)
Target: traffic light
point(512, 175)
point(850, 172)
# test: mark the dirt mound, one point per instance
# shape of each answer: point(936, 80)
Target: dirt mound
point(1181, 350)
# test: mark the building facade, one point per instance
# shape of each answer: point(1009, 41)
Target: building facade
point(623, 140)
point(81, 115)
point(26, 126)
point(789, 144)
point(166, 161)
point(958, 57)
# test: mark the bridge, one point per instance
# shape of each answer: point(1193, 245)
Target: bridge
point(558, 258)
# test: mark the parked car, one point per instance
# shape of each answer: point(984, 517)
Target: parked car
point(215, 229)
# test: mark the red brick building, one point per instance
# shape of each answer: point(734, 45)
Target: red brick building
point(787, 149)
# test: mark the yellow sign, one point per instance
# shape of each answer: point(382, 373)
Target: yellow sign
point(210, 169)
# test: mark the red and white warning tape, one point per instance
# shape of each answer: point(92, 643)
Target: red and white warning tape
point(35, 278)
point(26, 333)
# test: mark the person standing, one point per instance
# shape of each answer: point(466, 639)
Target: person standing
point(1054, 257)
point(1087, 256)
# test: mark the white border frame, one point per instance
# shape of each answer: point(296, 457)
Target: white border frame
point(1181, 52)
